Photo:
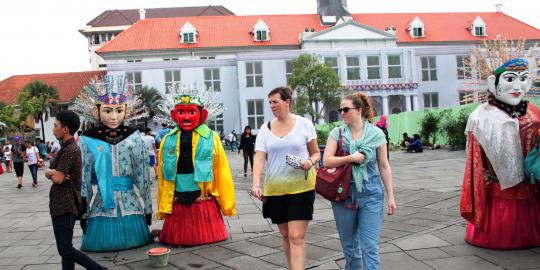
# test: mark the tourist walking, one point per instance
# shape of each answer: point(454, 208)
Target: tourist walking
point(32, 157)
point(150, 143)
point(383, 125)
point(65, 202)
point(6, 151)
point(288, 193)
point(359, 219)
point(247, 145)
point(17, 156)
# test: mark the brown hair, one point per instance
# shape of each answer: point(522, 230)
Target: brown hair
point(285, 92)
point(361, 100)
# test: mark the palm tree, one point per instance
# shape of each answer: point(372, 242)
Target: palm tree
point(42, 93)
point(150, 98)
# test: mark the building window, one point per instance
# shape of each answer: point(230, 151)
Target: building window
point(288, 69)
point(254, 75)
point(466, 98)
point(172, 80)
point(134, 60)
point(353, 68)
point(463, 70)
point(261, 31)
point(56, 109)
point(373, 67)
point(333, 116)
point(429, 68)
point(134, 79)
point(102, 65)
point(332, 63)
point(211, 79)
point(479, 31)
point(261, 35)
point(431, 100)
point(188, 37)
point(101, 38)
point(418, 31)
point(216, 124)
point(170, 59)
point(394, 66)
point(207, 57)
point(255, 113)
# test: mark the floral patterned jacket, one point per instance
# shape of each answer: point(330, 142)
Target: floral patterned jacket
point(129, 159)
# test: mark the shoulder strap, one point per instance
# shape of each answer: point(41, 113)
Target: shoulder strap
point(269, 125)
point(340, 141)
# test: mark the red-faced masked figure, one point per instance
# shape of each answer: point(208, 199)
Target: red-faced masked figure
point(188, 117)
point(194, 180)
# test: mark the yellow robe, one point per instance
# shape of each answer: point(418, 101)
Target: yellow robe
point(221, 187)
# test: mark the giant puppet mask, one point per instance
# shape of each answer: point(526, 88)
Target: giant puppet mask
point(510, 82)
point(188, 112)
point(111, 109)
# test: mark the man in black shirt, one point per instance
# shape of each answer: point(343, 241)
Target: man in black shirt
point(65, 196)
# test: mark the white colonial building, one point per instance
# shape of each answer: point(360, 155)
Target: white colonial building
point(404, 61)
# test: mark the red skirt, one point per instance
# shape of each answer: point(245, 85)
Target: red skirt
point(509, 224)
point(199, 224)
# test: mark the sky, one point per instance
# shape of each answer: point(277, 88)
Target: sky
point(40, 36)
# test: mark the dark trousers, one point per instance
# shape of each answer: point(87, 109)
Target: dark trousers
point(248, 154)
point(33, 170)
point(63, 232)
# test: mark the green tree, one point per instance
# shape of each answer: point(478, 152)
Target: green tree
point(150, 98)
point(315, 84)
point(454, 127)
point(430, 126)
point(42, 94)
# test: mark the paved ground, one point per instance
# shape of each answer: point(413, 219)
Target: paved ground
point(426, 232)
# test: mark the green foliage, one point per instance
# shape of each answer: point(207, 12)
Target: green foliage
point(323, 130)
point(41, 95)
point(151, 99)
point(454, 127)
point(315, 84)
point(430, 127)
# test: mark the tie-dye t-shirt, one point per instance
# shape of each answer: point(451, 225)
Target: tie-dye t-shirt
point(281, 178)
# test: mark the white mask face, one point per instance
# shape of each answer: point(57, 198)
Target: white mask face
point(511, 88)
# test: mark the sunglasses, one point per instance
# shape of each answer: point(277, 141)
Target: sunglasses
point(345, 109)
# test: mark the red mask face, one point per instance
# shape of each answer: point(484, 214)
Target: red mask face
point(188, 117)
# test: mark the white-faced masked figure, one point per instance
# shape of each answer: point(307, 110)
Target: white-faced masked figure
point(115, 162)
point(500, 203)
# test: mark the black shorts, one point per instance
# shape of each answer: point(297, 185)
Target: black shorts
point(19, 168)
point(285, 208)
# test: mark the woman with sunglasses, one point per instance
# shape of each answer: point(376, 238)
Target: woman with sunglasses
point(359, 219)
point(288, 191)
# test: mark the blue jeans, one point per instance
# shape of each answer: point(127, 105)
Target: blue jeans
point(63, 232)
point(358, 222)
point(33, 171)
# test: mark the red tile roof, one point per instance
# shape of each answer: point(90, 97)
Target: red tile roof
point(129, 16)
point(235, 31)
point(68, 84)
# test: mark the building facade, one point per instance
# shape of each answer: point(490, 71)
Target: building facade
point(403, 61)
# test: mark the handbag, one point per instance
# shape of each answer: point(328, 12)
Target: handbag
point(532, 164)
point(334, 183)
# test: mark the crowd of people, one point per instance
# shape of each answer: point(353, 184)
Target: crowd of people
point(32, 152)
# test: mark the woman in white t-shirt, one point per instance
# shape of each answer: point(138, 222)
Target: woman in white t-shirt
point(7, 156)
point(32, 156)
point(289, 192)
